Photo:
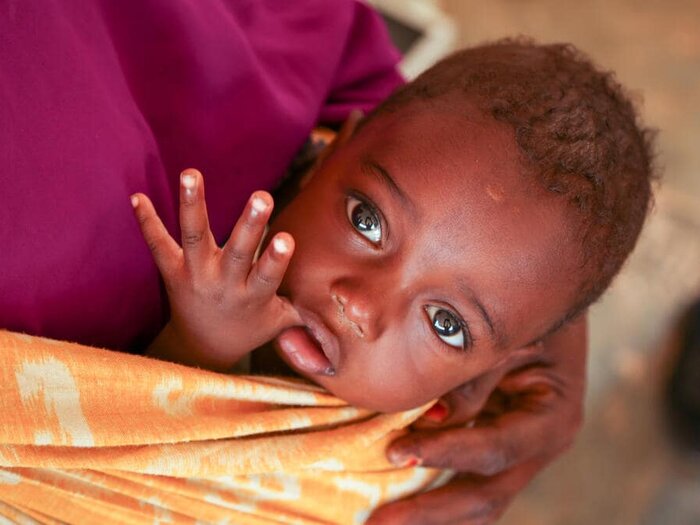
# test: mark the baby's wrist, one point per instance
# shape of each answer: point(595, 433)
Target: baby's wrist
point(175, 345)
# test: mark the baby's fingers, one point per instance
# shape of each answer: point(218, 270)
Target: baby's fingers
point(268, 271)
point(198, 243)
point(238, 254)
point(166, 253)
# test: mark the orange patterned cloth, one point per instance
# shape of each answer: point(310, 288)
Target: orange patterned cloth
point(93, 436)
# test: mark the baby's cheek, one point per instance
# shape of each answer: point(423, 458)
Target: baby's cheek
point(387, 380)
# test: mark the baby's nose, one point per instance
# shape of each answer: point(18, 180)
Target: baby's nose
point(358, 312)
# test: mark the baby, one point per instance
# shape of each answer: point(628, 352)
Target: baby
point(477, 210)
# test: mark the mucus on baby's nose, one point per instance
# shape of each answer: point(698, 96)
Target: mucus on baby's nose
point(341, 304)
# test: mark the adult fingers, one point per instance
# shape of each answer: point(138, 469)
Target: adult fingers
point(165, 251)
point(462, 404)
point(198, 244)
point(510, 439)
point(466, 500)
point(239, 251)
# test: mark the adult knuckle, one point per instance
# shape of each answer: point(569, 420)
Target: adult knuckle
point(446, 459)
point(493, 461)
point(441, 450)
point(485, 509)
point(192, 238)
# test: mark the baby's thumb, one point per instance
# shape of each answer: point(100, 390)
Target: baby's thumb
point(287, 315)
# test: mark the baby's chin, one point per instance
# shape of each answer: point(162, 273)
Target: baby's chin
point(359, 395)
point(354, 392)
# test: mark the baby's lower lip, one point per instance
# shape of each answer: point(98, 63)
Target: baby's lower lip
point(304, 353)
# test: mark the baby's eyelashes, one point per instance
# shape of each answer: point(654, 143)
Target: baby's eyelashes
point(447, 326)
point(365, 219)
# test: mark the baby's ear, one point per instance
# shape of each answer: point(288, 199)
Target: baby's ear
point(349, 126)
point(346, 131)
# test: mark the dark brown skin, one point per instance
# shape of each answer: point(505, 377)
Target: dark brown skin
point(474, 217)
point(523, 420)
point(485, 223)
point(216, 294)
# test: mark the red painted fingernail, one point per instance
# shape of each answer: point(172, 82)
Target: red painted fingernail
point(403, 459)
point(411, 462)
point(438, 412)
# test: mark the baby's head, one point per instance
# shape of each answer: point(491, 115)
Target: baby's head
point(477, 210)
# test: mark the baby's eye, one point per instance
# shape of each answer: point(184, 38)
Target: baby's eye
point(364, 219)
point(446, 325)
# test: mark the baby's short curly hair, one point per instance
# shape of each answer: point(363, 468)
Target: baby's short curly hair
point(578, 132)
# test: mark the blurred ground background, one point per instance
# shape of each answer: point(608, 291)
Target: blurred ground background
point(623, 469)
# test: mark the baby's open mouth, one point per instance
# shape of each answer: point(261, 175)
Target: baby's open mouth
point(311, 349)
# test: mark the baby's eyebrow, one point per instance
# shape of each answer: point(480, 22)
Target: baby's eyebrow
point(468, 293)
point(377, 171)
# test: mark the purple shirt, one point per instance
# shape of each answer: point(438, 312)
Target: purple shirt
point(99, 100)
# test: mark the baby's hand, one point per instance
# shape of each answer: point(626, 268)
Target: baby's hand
point(223, 302)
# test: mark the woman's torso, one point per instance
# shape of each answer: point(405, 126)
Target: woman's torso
point(100, 100)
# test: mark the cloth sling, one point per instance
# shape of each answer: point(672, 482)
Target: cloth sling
point(89, 435)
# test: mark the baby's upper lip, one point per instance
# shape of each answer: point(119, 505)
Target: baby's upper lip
point(323, 335)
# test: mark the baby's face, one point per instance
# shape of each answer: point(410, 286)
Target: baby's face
point(424, 257)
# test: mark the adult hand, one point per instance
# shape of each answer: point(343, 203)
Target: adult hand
point(497, 432)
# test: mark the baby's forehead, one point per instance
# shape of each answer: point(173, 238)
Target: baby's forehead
point(431, 130)
point(453, 155)
point(503, 231)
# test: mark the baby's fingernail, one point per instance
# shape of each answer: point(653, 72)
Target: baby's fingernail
point(438, 412)
point(330, 371)
point(134, 200)
point(188, 182)
point(280, 245)
point(257, 205)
